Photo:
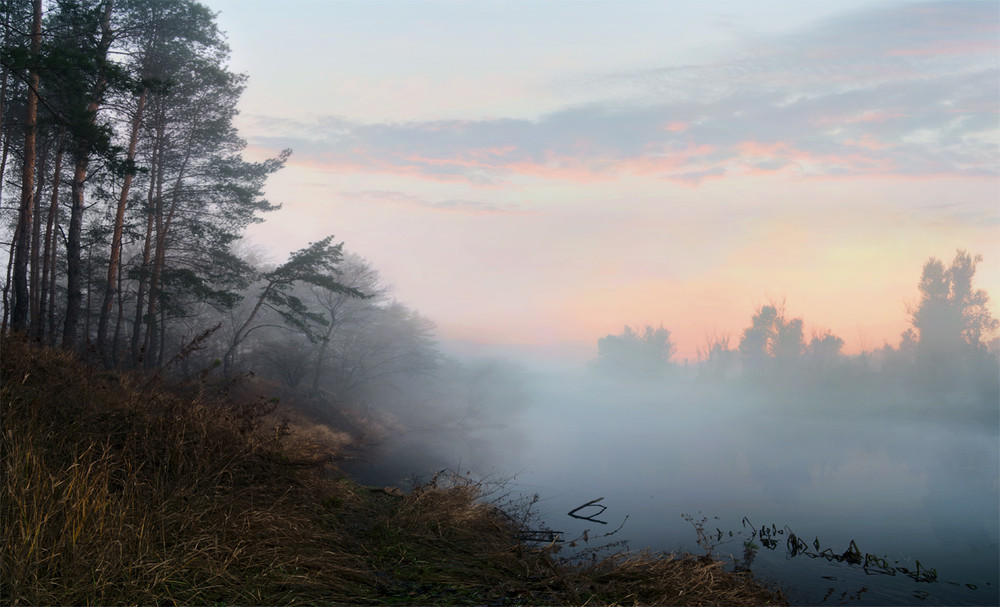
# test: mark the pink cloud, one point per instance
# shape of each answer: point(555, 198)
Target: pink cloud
point(941, 48)
point(870, 116)
point(866, 141)
point(451, 205)
point(487, 158)
point(769, 150)
point(760, 158)
point(689, 166)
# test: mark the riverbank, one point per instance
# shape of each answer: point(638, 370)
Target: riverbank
point(119, 489)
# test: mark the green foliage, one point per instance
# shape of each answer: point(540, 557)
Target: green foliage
point(76, 74)
point(182, 285)
point(314, 265)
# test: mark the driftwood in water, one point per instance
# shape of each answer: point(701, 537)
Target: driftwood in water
point(541, 535)
point(590, 518)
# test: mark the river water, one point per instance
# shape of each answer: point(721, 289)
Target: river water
point(902, 488)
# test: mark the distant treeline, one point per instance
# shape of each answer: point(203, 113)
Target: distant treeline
point(949, 346)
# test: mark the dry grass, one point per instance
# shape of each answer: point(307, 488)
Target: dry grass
point(656, 579)
point(118, 491)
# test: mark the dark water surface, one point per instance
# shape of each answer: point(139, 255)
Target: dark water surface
point(902, 489)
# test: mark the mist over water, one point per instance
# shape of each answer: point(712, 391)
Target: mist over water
point(910, 479)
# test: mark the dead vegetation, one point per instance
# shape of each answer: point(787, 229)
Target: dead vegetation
point(119, 491)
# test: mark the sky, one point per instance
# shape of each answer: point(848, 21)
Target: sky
point(539, 174)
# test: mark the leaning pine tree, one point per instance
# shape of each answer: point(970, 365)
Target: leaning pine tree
point(314, 265)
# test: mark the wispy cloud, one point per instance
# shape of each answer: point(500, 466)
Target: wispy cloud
point(957, 214)
point(904, 90)
point(448, 205)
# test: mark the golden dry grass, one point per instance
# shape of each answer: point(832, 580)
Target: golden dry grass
point(119, 491)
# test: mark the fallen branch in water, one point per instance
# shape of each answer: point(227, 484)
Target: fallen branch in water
point(540, 535)
point(590, 518)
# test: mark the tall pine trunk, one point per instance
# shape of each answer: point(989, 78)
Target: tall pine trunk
point(119, 318)
point(4, 73)
point(6, 284)
point(48, 255)
point(74, 296)
point(152, 198)
point(74, 265)
point(34, 258)
point(163, 222)
point(114, 259)
point(19, 314)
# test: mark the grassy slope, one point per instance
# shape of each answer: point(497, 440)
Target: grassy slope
point(117, 490)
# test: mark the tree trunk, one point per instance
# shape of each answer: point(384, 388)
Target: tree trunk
point(321, 355)
point(88, 315)
point(116, 239)
point(3, 83)
point(160, 254)
point(34, 258)
point(119, 318)
point(3, 159)
point(48, 255)
point(6, 284)
point(162, 338)
point(3, 171)
point(74, 270)
point(152, 286)
point(73, 266)
point(19, 314)
point(51, 308)
point(152, 198)
point(4, 73)
point(230, 356)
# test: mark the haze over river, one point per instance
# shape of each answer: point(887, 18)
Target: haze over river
point(904, 488)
